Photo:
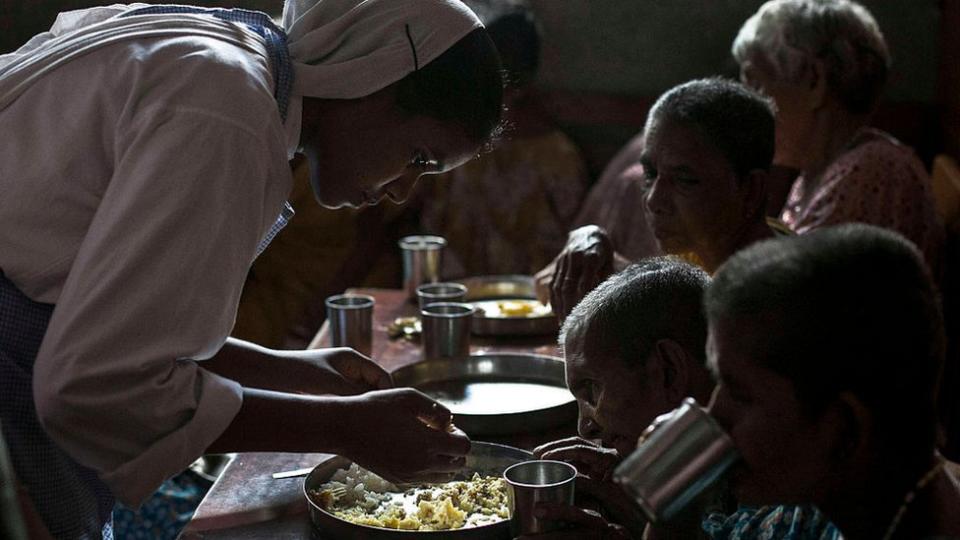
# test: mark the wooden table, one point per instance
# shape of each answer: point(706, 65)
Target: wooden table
point(246, 503)
point(396, 353)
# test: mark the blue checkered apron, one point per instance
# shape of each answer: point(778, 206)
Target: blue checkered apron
point(72, 501)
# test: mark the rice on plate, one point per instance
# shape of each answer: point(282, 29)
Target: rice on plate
point(361, 497)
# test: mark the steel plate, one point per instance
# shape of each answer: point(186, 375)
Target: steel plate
point(488, 459)
point(496, 393)
point(507, 287)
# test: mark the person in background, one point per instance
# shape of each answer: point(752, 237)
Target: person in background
point(707, 151)
point(508, 211)
point(828, 379)
point(133, 209)
point(282, 305)
point(825, 63)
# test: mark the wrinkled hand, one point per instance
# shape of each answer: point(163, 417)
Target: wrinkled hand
point(585, 261)
point(543, 279)
point(582, 524)
point(595, 465)
point(590, 459)
point(657, 423)
point(343, 371)
point(404, 436)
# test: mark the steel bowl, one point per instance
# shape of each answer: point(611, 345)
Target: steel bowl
point(496, 393)
point(507, 287)
point(487, 459)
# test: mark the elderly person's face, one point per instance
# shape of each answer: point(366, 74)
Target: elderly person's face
point(787, 455)
point(693, 197)
point(616, 400)
point(361, 151)
point(796, 104)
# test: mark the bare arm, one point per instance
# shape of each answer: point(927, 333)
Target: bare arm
point(319, 371)
point(391, 432)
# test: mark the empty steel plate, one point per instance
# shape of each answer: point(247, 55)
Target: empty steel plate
point(496, 393)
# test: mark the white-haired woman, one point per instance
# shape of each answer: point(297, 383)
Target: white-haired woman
point(825, 63)
point(144, 165)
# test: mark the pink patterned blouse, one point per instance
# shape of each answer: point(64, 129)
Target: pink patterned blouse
point(879, 181)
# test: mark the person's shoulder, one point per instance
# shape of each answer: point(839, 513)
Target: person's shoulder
point(196, 71)
point(874, 160)
point(550, 146)
point(876, 148)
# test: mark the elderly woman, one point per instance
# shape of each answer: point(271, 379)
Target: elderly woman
point(707, 152)
point(828, 380)
point(825, 63)
point(133, 209)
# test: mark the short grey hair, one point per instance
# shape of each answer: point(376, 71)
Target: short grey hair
point(791, 33)
point(656, 298)
point(735, 119)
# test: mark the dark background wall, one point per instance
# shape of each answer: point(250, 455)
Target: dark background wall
point(604, 61)
point(645, 46)
point(949, 78)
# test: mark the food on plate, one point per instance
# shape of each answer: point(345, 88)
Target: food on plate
point(360, 496)
point(404, 327)
point(514, 307)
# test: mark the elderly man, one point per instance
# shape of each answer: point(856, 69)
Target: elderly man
point(634, 349)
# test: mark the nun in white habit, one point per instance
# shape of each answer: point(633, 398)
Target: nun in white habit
point(143, 165)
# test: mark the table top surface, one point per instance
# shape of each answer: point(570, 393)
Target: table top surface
point(246, 502)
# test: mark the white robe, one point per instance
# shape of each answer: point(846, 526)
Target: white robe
point(135, 185)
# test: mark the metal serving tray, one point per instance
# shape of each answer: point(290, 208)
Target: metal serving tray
point(496, 393)
point(488, 459)
point(507, 287)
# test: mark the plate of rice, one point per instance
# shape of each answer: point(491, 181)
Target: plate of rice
point(347, 501)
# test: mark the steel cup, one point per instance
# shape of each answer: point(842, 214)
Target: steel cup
point(532, 482)
point(677, 461)
point(350, 317)
point(446, 330)
point(422, 257)
point(432, 293)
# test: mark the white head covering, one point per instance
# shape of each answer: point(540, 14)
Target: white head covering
point(345, 49)
point(340, 49)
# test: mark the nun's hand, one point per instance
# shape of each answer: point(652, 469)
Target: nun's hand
point(404, 436)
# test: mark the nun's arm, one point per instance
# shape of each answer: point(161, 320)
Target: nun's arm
point(340, 371)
